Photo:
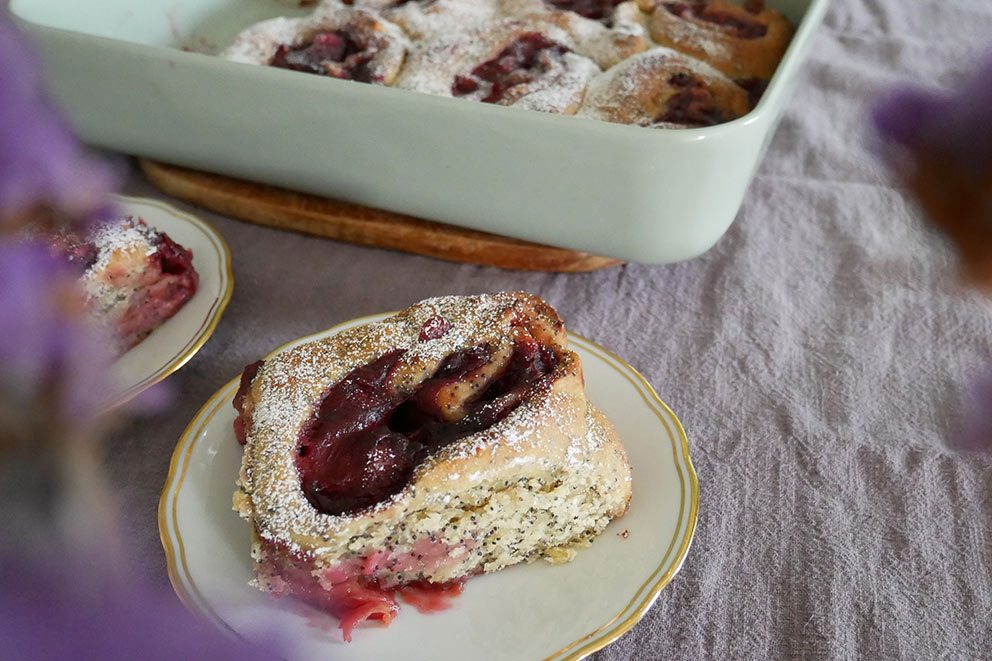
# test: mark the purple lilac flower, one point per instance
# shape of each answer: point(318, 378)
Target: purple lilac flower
point(940, 143)
point(42, 166)
point(51, 355)
point(65, 588)
point(955, 124)
point(50, 615)
point(55, 363)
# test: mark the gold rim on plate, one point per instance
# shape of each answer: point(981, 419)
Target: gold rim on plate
point(217, 307)
point(644, 597)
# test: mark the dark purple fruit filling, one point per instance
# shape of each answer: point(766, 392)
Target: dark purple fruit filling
point(527, 58)
point(693, 104)
point(736, 25)
point(366, 438)
point(334, 54)
point(434, 328)
point(597, 10)
point(247, 376)
point(172, 257)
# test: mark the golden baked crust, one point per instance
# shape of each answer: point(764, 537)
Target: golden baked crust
point(548, 476)
point(722, 46)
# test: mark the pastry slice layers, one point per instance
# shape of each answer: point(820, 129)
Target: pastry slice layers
point(400, 457)
point(134, 277)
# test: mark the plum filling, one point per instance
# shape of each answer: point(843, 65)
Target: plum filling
point(526, 59)
point(693, 104)
point(434, 328)
point(367, 437)
point(350, 592)
point(146, 295)
point(736, 25)
point(336, 54)
point(170, 282)
point(247, 376)
point(597, 10)
point(369, 432)
point(172, 257)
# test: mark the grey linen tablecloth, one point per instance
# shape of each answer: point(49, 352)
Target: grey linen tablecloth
point(816, 356)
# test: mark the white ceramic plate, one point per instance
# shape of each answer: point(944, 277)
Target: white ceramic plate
point(173, 343)
point(537, 611)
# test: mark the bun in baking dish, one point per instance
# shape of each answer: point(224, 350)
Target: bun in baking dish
point(338, 41)
point(603, 30)
point(663, 88)
point(743, 41)
point(526, 63)
point(451, 439)
point(540, 55)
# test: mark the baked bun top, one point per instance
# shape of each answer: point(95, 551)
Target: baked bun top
point(519, 409)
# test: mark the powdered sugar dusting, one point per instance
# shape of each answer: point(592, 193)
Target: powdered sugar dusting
point(434, 41)
point(606, 45)
point(287, 388)
point(111, 240)
point(124, 234)
point(564, 88)
point(427, 21)
point(433, 65)
point(708, 38)
point(386, 42)
point(258, 44)
point(634, 91)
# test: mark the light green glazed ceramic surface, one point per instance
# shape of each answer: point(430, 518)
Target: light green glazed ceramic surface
point(645, 195)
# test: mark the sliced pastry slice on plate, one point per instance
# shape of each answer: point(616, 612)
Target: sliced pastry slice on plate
point(400, 457)
point(134, 277)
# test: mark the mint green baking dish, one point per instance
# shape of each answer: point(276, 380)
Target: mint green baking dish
point(646, 195)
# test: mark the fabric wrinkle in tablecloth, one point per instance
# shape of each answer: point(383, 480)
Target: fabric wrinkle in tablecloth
point(816, 357)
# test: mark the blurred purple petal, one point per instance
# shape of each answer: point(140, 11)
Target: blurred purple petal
point(42, 166)
point(940, 144)
point(50, 351)
point(46, 615)
point(54, 383)
point(953, 124)
point(905, 114)
point(155, 399)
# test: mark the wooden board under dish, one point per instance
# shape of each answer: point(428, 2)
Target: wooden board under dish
point(353, 223)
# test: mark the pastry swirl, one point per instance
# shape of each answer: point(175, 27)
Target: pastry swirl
point(742, 41)
point(475, 449)
point(662, 88)
point(525, 63)
point(534, 54)
point(336, 40)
